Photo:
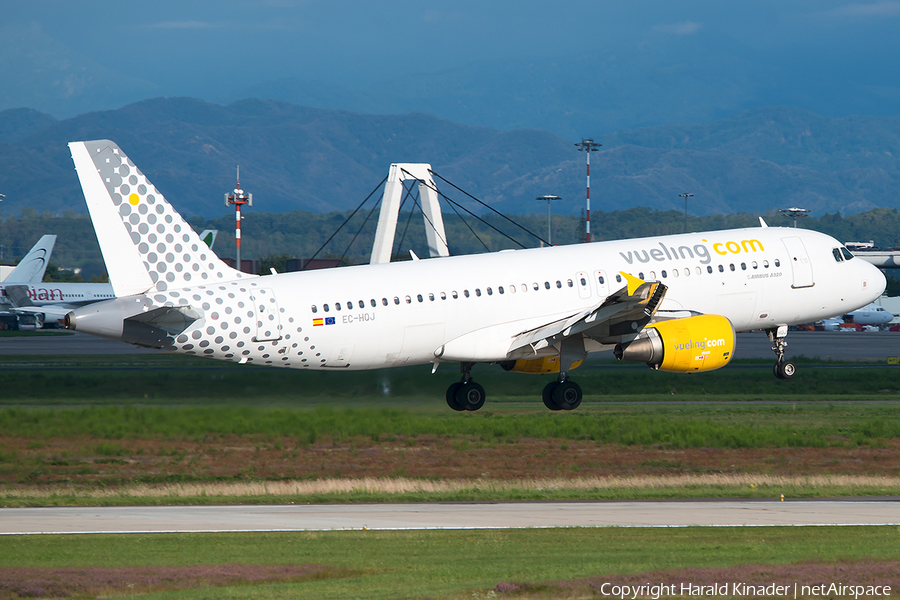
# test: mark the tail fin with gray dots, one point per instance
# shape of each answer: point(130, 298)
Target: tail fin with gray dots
point(146, 244)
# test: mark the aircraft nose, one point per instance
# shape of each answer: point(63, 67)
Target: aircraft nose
point(873, 281)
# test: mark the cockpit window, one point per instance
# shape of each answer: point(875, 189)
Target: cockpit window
point(846, 253)
point(836, 252)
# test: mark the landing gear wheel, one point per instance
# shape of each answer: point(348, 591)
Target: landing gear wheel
point(452, 402)
point(567, 395)
point(547, 396)
point(470, 396)
point(785, 370)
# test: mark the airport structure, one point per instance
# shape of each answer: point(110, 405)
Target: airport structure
point(390, 211)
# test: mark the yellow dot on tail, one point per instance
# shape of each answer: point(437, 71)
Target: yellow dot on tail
point(134, 199)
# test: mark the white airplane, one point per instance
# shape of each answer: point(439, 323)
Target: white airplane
point(50, 301)
point(870, 314)
point(22, 292)
point(672, 302)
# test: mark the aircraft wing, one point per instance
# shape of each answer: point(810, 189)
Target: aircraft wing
point(624, 312)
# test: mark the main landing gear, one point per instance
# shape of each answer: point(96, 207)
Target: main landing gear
point(783, 369)
point(465, 394)
point(562, 394)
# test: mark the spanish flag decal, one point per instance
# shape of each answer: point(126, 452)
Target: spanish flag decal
point(318, 322)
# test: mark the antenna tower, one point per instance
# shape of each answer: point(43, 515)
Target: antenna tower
point(238, 198)
point(587, 145)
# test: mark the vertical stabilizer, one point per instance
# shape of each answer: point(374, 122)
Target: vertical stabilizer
point(32, 267)
point(146, 244)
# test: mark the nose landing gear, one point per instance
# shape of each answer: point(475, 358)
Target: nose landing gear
point(783, 369)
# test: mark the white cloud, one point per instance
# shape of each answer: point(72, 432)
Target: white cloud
point(887, 8)
point(685, 28)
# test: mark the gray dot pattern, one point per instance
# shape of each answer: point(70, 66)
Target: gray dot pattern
point(219, 334)
point(238, 320)
point(173, 254)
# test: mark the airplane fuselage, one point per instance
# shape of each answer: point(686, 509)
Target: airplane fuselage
point(45, 293)
point(417, 312)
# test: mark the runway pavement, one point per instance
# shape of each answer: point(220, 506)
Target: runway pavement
point(835, 345)
point(494, 515)
point(68, 343)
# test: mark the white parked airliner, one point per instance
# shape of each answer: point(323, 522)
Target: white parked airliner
point(49, 302)
point(24, 293)
point(672, 302)
point(869, 315)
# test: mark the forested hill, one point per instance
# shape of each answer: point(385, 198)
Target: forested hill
point(300, 234)
point(296, 158)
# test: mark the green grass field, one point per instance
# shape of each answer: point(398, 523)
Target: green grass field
point(788, 424)
point(170, 379)
point(115, 402)
point(456, 564)
point(110, 404)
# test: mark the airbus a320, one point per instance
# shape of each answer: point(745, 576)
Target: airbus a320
point(672, 302)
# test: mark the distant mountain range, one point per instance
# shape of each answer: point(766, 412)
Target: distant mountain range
point(653, 79)
point(295, 157)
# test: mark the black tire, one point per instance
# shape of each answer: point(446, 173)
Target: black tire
point(470, 396)
point(788, 370)
point(777, 370)
point(547, 396)
point(452, 402)
point(567, 395)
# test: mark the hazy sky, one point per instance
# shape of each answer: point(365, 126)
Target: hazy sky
point(196, 47)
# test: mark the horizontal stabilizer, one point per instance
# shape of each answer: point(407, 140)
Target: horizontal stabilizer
point(171, 319)
point(18, 295)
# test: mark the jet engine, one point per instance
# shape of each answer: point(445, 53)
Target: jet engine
point(700, 343)
point(548, 364)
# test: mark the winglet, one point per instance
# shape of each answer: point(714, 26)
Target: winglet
point(209, 236)
point(633, 282)
point(762, 223)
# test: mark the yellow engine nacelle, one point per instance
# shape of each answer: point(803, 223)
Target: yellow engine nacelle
point(548, 364)
point(701, 343)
